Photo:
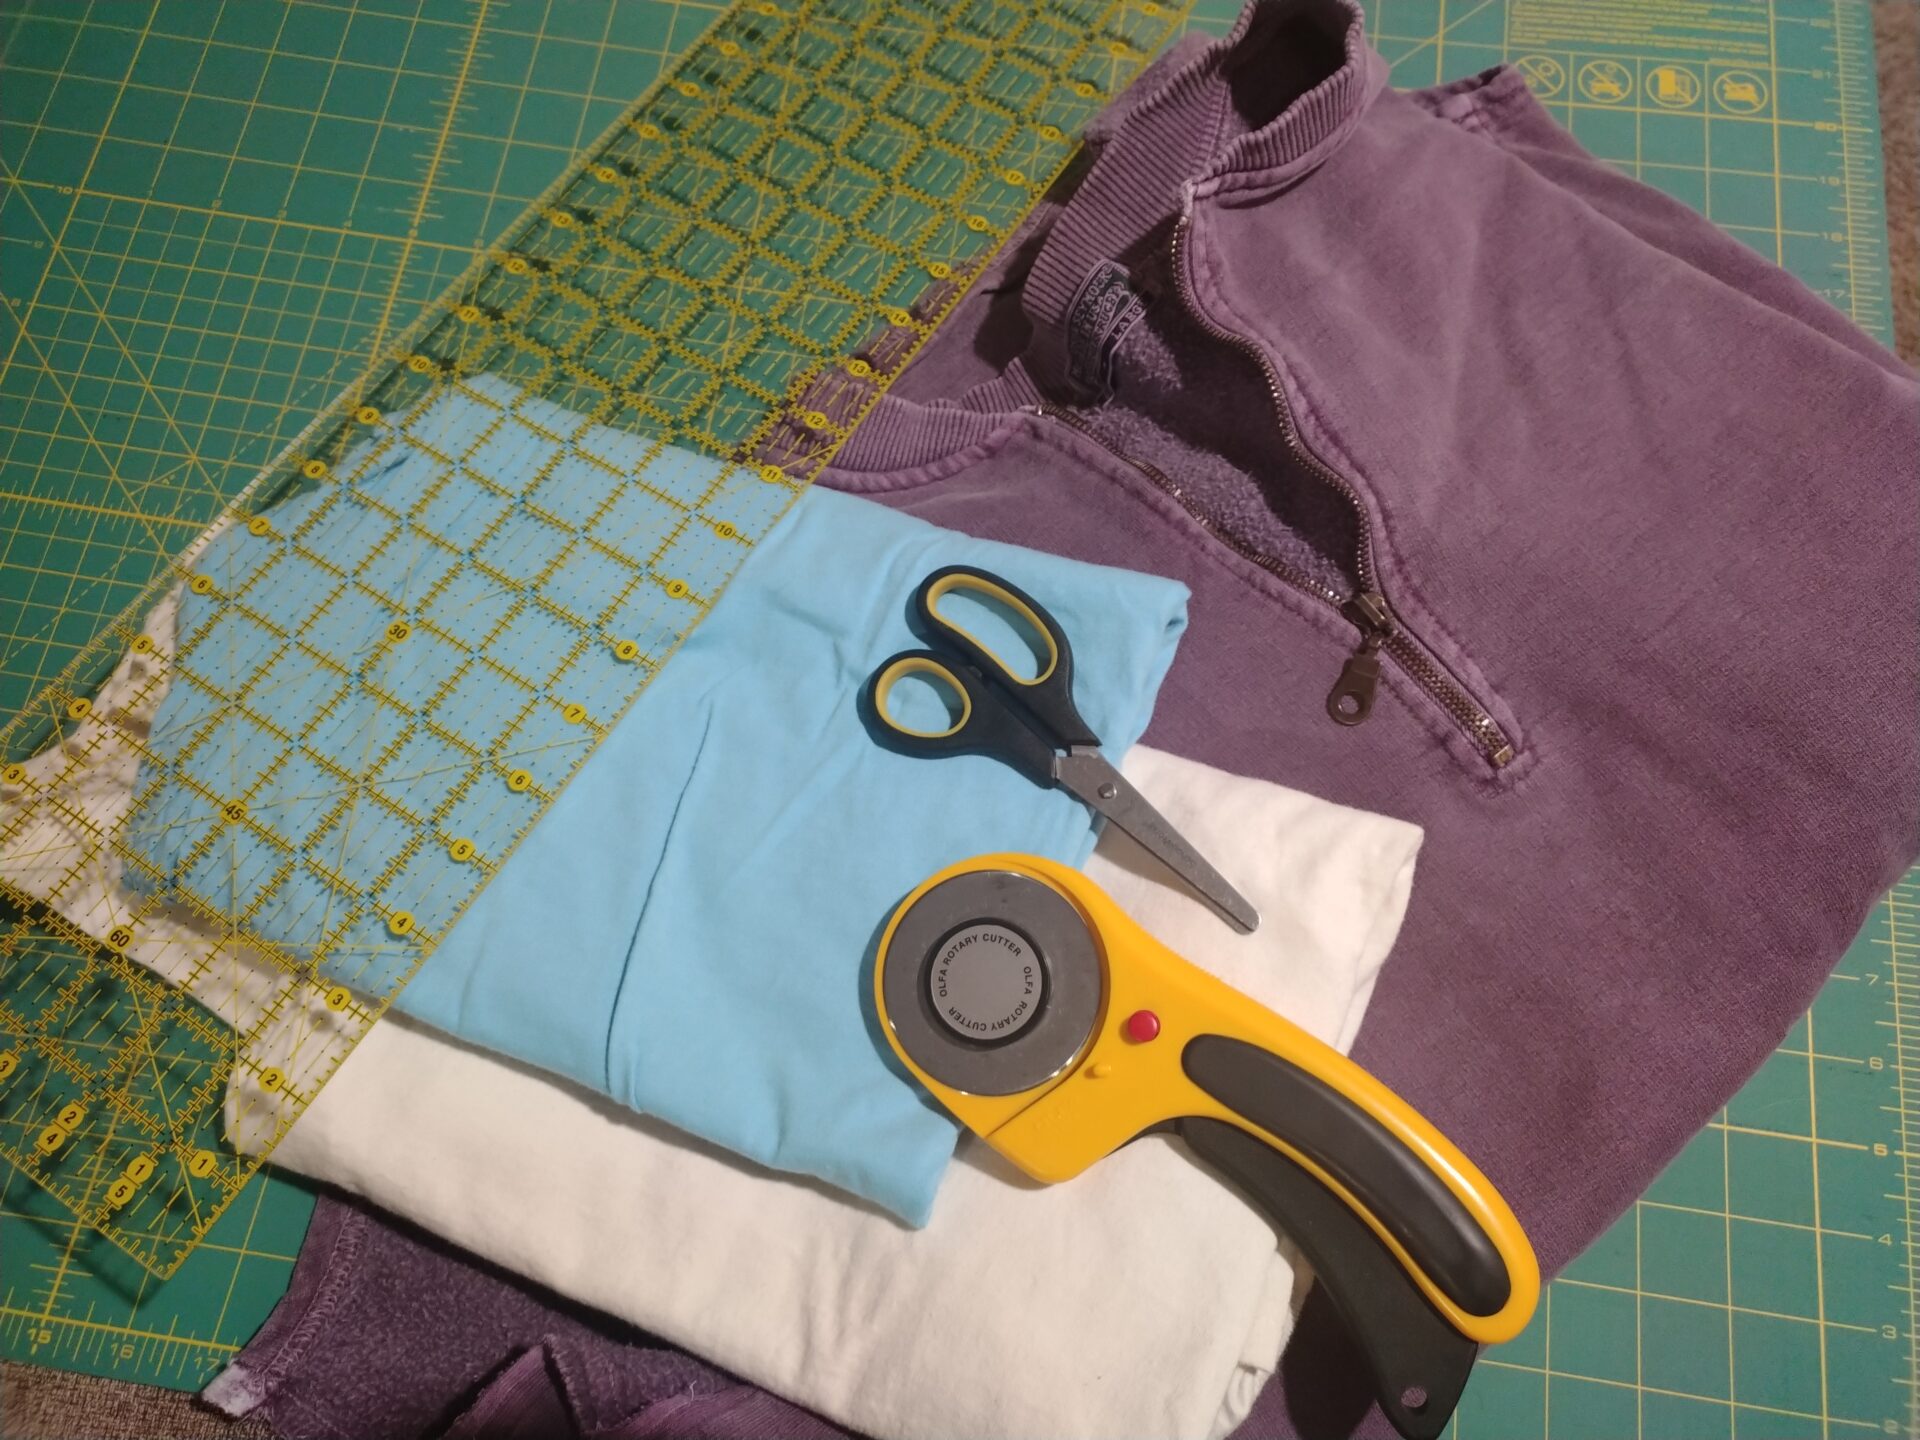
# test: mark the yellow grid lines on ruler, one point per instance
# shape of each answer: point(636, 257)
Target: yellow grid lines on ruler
point(605, 393)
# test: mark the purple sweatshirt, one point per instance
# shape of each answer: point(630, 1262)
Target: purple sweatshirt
point(1624, 518)
point(1604, 529)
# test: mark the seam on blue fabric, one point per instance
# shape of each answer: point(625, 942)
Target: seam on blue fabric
point(615, 1010)
point(1405, 584)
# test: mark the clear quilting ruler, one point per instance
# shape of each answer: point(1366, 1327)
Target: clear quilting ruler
point(408, 633)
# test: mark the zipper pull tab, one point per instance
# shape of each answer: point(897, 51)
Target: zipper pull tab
point(1351, 699)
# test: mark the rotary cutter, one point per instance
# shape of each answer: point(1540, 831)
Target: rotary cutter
point(1058, 1030)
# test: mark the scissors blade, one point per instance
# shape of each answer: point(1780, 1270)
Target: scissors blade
point(1087, 774)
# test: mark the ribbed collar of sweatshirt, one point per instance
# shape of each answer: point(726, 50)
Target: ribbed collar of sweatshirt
point(1264, 105)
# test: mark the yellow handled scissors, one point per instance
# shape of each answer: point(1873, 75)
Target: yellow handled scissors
point(1031, 724)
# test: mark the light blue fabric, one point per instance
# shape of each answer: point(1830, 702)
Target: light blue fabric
point(476, 521)
point(690, 929)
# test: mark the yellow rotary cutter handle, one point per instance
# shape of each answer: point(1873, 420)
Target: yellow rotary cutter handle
point(1058, 1030)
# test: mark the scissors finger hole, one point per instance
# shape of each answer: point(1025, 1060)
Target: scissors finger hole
point(920, 697)
point(999, 624)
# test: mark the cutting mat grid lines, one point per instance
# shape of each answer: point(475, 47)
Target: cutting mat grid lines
point(214, 214)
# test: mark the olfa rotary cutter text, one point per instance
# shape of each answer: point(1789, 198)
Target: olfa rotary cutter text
point(1057, 1029)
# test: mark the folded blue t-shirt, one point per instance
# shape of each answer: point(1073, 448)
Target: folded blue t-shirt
point(690, 928)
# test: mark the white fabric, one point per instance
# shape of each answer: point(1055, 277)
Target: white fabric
point(1143, 1298)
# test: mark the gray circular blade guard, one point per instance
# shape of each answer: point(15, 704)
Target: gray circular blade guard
point(985, 1043)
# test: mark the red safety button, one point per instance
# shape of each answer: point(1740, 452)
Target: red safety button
point(1142, 1026)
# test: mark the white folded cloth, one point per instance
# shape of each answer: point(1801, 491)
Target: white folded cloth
point(1142, 1298)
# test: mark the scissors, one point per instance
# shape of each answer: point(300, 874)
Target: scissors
point(1031, 725)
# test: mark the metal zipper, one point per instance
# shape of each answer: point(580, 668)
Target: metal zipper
point(1381, 631)
point(1297, 578)
point(1351, 699)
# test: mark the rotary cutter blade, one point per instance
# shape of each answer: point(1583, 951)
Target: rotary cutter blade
point(1058, 1030)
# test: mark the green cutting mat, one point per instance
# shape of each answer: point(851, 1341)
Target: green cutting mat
point(212, 214)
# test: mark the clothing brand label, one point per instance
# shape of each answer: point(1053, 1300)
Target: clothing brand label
point(1104, 309)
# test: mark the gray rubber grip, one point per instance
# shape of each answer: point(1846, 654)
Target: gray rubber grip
point(1403, 1193)
point(1420, 1363)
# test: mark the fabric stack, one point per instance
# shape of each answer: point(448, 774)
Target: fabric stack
point(1415, 485)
